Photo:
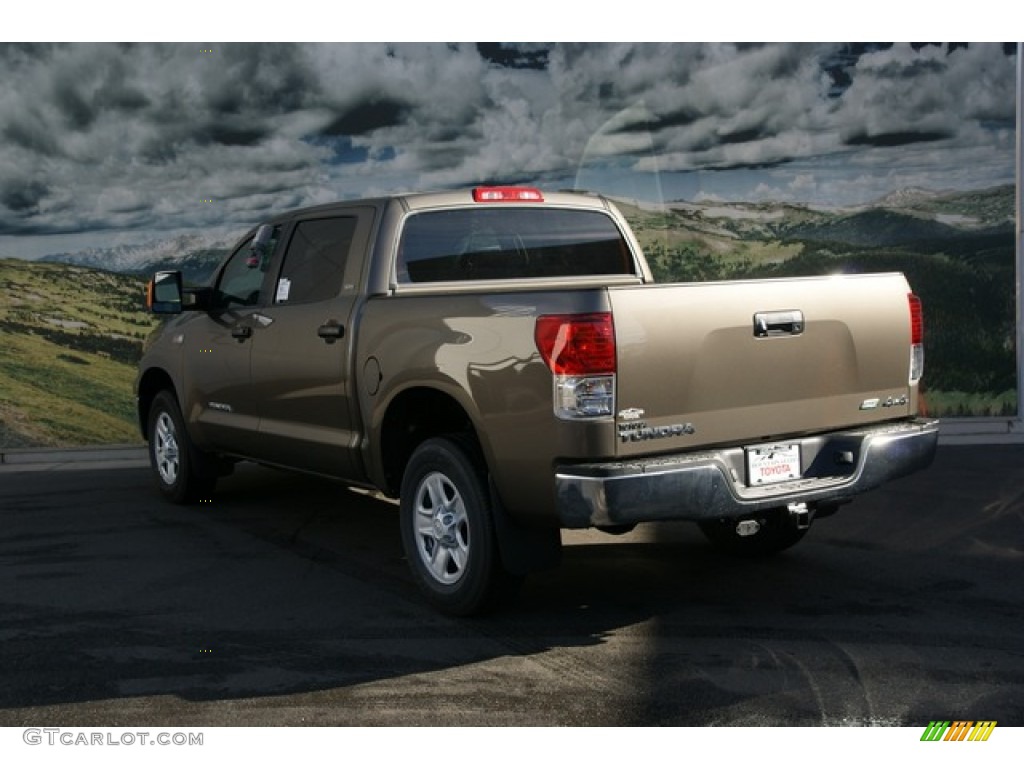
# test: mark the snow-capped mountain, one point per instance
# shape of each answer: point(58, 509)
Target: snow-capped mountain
point(909, 197)
point(194, 254)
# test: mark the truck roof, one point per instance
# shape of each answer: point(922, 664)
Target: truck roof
point(418, 201)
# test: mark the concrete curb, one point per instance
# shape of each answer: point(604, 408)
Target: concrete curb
point(109, 456)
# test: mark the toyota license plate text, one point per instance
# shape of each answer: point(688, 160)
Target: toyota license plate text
point(773, 463)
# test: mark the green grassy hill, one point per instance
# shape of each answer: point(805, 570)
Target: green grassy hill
point(70, 338)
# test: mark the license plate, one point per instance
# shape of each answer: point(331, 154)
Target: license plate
point(773, 463)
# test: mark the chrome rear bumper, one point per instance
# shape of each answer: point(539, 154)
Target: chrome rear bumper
point(710, 484)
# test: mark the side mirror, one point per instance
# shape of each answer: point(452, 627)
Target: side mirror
point(163, 293)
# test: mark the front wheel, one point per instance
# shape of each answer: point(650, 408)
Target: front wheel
point(448, 531)
point(775, 533)
point(175, 461)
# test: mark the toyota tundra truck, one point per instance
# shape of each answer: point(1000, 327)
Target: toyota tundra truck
point(502, 361)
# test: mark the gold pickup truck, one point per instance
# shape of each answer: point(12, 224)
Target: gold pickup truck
point(501, 360)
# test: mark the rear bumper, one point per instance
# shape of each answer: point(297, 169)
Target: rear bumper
point(710, 484)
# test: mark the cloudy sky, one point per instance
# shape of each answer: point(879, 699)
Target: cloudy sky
point(103, 144)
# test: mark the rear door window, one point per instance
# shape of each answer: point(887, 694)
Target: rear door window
point(314, 264)
point(509, 244)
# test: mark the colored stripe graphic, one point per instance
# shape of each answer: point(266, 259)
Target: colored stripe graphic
point(982, 730)
point(958, 730)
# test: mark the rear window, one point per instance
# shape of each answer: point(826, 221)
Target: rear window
point(510, 243)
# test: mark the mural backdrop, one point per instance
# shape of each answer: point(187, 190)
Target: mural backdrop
point(730, 161)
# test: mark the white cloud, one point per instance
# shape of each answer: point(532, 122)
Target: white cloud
point(107, 137)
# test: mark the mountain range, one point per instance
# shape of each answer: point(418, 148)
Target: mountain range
point(900, 216)
point(196, 255)
point(905, 215)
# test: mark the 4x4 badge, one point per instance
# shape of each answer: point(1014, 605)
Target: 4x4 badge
point(891, 401)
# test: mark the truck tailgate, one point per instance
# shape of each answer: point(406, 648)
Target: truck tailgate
point(748, 362)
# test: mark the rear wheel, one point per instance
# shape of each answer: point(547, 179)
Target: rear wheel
point(448, 531)
point(176, 463)
point(775, 532)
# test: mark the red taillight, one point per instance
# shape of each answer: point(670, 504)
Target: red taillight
point(507, 195)
point(916, 339)
point(916, 320)
point(577, 345)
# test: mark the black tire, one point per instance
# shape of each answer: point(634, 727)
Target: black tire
point(776, 534)
point(177, 464)
point(448, 531)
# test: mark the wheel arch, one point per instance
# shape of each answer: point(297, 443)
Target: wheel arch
point(152, 382)
point(411, 417)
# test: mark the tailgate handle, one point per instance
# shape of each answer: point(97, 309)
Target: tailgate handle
point(788, 322)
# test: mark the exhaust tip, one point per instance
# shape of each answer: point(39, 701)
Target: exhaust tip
point(747, 527)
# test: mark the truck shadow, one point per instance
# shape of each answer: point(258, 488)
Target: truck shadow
point(282, 589)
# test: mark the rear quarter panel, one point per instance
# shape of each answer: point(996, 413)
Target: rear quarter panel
point(478, 348)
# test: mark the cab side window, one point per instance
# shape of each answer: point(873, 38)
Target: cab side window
point(242, 277)
point(314, 264)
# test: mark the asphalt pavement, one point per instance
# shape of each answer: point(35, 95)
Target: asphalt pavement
point(286, 601)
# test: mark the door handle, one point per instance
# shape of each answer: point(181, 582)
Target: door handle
point(330, 332)
point(785, 323)
point(241, 332)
